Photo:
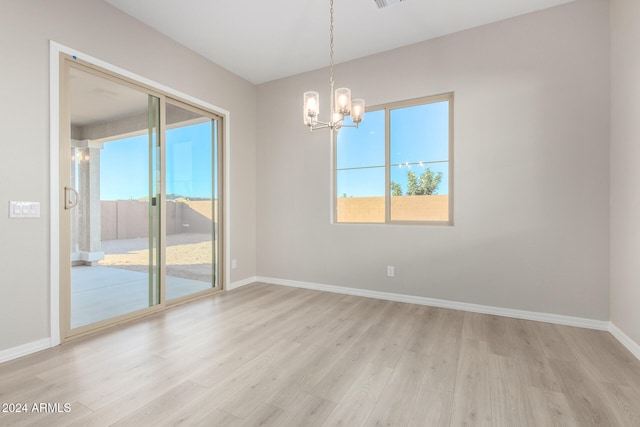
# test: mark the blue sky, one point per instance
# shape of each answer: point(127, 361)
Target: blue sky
point(419, 134)
point(124, 167)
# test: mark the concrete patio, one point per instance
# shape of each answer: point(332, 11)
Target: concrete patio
point(119, 284)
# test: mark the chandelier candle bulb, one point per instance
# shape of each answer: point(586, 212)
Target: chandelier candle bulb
point(357, 110)
point(311, 107)
point(343, 101)
point(312, 104)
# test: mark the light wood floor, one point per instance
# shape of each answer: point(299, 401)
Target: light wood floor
point(271, 355)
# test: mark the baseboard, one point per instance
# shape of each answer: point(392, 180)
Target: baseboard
point(624, 339)
point(241, 283)
point(632, 346)
point(454, 305)
point(24, 349)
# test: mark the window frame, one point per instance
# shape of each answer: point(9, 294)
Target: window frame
point(449, 96)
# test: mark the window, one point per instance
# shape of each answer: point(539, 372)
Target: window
point(396, 167)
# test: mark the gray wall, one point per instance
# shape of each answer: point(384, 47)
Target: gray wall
point(531, 170)
point(99, 30)
point(625, 170)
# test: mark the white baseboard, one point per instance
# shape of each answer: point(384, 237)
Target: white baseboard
point(454, 305)
point(630, 344)
point(24, 349)
point(240, 283)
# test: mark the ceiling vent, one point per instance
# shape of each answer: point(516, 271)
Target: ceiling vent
point(386, 3)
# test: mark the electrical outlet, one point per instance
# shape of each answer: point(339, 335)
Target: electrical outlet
point(391, 271)
point(234, 263)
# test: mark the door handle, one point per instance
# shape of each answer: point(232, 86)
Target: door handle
point(68, 202)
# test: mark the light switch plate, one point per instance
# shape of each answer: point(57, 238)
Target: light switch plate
point(24, 209)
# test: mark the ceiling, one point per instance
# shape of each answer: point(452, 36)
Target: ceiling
point(95, 99)
point(265, 40)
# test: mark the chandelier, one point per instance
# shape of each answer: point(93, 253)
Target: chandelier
point(341, 104)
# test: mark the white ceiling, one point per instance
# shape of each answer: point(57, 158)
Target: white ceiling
point(95, 99)
point(263, 40)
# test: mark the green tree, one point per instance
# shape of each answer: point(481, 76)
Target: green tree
point(426, 184)
point(413, 189)
point(396, 189)
point(429, 181)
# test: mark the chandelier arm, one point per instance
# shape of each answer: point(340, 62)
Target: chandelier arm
point(319, 125)
point(329, 125)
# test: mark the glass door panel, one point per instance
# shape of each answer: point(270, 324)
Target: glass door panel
point(192, 209)
point(112, 198)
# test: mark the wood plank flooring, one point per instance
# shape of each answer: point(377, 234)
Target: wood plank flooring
point(270, 355)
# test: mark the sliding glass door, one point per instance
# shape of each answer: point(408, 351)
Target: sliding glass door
point(140, 199)
point(110, 198)
point(192, 243)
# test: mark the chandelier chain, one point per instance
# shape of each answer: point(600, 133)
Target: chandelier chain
point(331, 41)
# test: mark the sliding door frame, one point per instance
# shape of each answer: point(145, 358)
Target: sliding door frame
point(59, 297)
point(155, 270)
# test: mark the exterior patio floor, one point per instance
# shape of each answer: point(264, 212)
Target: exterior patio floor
point(101, 293)
point(120, 284)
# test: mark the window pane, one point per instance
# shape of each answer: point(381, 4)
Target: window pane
point(363, 146)
point(419, 153)
point(192, 206)
point(420, 133)
point(360, 195)
point(420, 193)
